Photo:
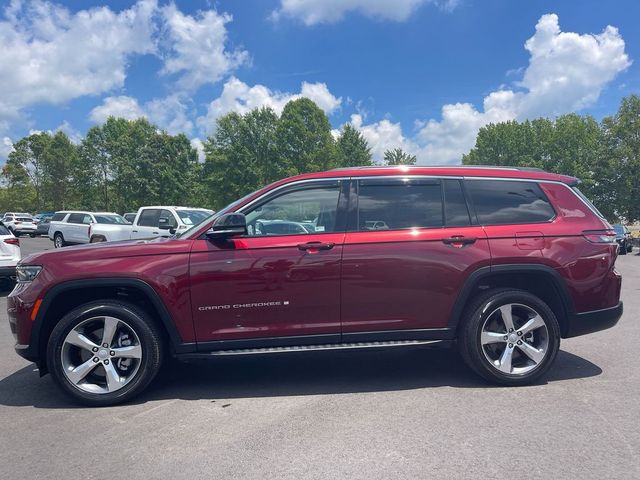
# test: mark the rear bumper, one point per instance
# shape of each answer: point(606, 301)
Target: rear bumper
point(589, 322)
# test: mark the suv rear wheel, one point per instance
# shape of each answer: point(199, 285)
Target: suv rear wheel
point(58, 241)
point(104, 352)
point(510, 337)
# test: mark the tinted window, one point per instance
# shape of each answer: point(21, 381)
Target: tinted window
point(311, 210)
point(167, 219)
point(499, 202)
point(129, 217)
point(191, 217)
point(149, 218)
point(4, 231)
point(111, 219)
point(455, 206)
point(394, 205)
point(76, 218)
point(57, 217)
point(24, 219)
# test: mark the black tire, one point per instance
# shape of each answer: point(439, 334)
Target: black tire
point(58, 240)
point(622, 249)
point(150, 342)
point(478, 312)
point(32, 235)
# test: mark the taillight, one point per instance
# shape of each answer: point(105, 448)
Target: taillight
point(17, 222)
point(12, 241)
point(600, 236)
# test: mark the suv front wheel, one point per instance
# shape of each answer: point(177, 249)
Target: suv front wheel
point(104, 352)
point(510, 337)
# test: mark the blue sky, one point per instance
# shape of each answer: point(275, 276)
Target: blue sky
point(420, 74)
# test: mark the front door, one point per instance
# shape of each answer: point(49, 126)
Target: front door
point(410, 246)
point(280, 280)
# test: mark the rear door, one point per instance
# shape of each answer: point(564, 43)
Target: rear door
point(72, 228)
point(410, 246)
point(147, 223)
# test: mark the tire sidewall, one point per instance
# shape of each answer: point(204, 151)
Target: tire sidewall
point(137, 320)
point(485, 308)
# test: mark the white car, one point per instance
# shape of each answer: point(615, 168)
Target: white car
point(19, 223)
point(73, 227)
point(9, 256)
point(151, 222)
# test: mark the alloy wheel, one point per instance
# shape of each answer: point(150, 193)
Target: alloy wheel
point(514, 339)
point(101, 355)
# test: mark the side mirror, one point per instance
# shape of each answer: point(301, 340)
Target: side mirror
point(227, 226)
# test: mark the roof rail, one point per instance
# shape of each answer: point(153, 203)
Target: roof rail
point(488, 167)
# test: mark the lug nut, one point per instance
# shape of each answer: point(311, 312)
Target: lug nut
point(510, 330)
point(96, 359)
point(105, 345)
point(106, 362)
point(95, 349)
point(519, 342)
point(112, 353)
point(519, 334)
point(511, 345)
point(505, 338)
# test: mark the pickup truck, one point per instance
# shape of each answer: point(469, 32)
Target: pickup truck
point(150, 222)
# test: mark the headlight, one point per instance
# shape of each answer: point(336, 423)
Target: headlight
point(27, 273)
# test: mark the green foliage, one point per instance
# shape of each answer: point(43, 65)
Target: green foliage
point(605, 156)
point(397, 156)
point(352, 149)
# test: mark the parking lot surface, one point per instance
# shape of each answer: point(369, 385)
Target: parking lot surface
point(411, 413)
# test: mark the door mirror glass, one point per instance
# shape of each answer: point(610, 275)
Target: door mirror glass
point(228, 225)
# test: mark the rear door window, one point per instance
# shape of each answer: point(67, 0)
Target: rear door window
point(57, 217)
point(76, 218)
point(149, 218)
point(501, 202)
point(455, 205)
point(395, 204)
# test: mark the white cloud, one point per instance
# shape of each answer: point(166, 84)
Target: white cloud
point(120, 106)
point(199, 146)
point(566, 72)
point(51, 55)
point(330, 11)
point(382, 136)
point(239, 97)
point(169, 113)
point(6, 147)
point(198, 47)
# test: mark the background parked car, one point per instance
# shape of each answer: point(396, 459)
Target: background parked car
point(624, 239)
point(151, 222)
point(43, 225)
point(19, 223)
point(74, 227)
point(9, 257)
point(37, 218)
point(130, 217)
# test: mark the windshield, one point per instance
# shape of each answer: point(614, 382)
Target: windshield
point(192, 217)
point(111, 219)
point(226, 209)
point(619, 229)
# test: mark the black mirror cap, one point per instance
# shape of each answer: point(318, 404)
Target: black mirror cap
point(228, 225)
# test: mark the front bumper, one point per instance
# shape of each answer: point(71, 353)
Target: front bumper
point(589, 322)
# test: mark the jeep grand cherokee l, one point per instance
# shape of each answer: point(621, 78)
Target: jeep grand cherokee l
point(502, 262)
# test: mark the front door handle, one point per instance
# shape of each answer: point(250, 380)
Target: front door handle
point(459, 241)
point(316, 246)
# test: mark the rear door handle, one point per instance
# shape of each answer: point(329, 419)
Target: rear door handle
point(316, 246)
point(459, 240)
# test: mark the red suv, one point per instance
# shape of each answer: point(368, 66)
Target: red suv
point(502, 262)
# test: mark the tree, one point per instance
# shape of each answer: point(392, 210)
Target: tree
point(58, 161)
point(622, 143)
point(304, 139)
point(352, 149)
point(25, 163)
point(397, 156)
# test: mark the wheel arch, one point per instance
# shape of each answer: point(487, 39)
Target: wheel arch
point(66, 296)
point(540, 280)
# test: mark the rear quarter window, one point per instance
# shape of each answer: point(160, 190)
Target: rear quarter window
point(58, 217)
point(502, 202)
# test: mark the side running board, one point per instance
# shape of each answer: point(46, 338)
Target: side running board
point(315, 348)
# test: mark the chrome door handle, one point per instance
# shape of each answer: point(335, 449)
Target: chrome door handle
point(316, 246)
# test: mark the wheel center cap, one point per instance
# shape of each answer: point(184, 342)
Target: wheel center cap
point(103, 354)
point(513, 338)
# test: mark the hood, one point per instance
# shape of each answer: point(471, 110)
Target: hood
point(103, 250)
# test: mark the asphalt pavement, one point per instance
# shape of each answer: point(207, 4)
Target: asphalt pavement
point(405, 413)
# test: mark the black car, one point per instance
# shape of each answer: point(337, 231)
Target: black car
point(624, 239)
point(43, 225)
